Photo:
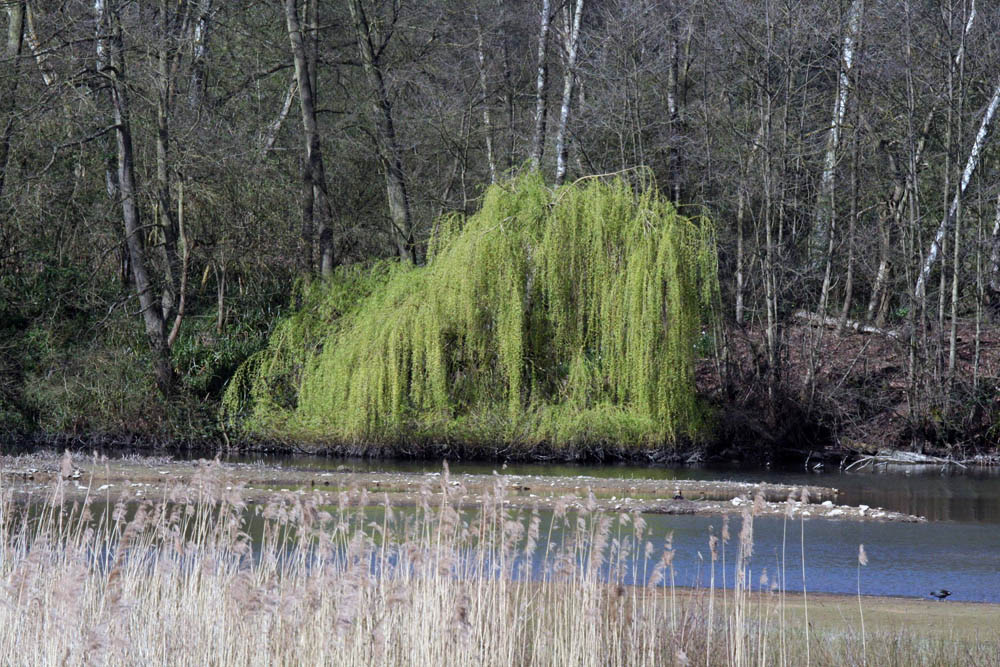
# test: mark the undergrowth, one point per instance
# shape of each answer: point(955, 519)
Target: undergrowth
point(561, 317)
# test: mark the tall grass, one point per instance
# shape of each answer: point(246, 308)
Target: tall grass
point(201, 577)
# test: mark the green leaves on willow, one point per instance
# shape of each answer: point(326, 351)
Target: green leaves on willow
point(556, 317)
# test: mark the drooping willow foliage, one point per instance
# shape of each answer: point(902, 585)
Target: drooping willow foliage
point(550, 316)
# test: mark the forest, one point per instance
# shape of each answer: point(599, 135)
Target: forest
point(179, 178)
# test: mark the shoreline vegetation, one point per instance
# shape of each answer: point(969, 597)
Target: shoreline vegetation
point(294, 580)
point(575, 323)
point(184, 209)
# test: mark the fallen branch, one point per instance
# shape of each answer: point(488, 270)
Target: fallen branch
point(902, 457)
point(854, 325)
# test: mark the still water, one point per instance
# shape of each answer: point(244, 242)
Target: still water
point(958, 549)
point(939, 494)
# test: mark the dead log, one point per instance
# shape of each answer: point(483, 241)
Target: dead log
point(854, 325)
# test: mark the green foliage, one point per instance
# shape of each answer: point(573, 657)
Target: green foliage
point(561, 317)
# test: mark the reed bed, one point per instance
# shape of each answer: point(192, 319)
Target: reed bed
point(199, 577)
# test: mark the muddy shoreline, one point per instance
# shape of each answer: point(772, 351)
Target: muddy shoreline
point(33, 476)
point(828, 457)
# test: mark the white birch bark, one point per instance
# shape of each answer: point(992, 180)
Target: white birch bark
point(970, 169)
point(824, 214)
point(879, 296)
point(538, 142)
point(199, 39)
point(573, 39)
point(49, 75)
point(484, 89)
point(271, 134)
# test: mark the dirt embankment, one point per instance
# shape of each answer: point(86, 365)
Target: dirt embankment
point(864, 398)
point(34, 476)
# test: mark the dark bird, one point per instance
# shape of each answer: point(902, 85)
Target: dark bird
point(678, 495)
point(941, 594)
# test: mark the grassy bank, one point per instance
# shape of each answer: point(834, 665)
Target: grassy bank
point(195, 577)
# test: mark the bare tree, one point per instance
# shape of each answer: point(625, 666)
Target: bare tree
point(8, 84)
point(371, 42)
point(201, 27)
point(971, 164)
point(572, 38)
point(485, 90)
point(541, 88)
point(825, 212)
point(313, 172)
point(111, 60)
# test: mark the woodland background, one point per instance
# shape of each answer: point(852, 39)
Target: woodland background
point(170, 171)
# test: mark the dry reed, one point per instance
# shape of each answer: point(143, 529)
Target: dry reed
point(199, 577)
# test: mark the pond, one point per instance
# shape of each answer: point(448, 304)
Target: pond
point(958, 549)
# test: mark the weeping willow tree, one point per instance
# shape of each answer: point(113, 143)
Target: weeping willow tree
point(555, 317)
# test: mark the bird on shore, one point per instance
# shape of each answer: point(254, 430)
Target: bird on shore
point(678, 495)
point(941, 594)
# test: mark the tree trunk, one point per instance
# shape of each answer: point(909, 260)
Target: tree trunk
point(8, 84)
point(957, 244)
point(370, 45)
point(673, 112)
point(167, 221)
point(199, 55)
point(314, 176)
point(845, 309)
point(994, 271)
point(824, 220)
point(484, 89)
point(271, 134)
point(49, 75)
point(975, 153)
point(742, 197)
point(541, 88)
point(112, 54)
point(569, 77)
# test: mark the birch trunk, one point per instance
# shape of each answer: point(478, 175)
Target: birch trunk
point(824, 220)
point(484, 90)
point(851, 226)
point(271, 134)
point(673, 114)
point(199, 55)
point(957, 244)
point(49, 76)
point(569, 77)
point(541, 89)
point(971, 164)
